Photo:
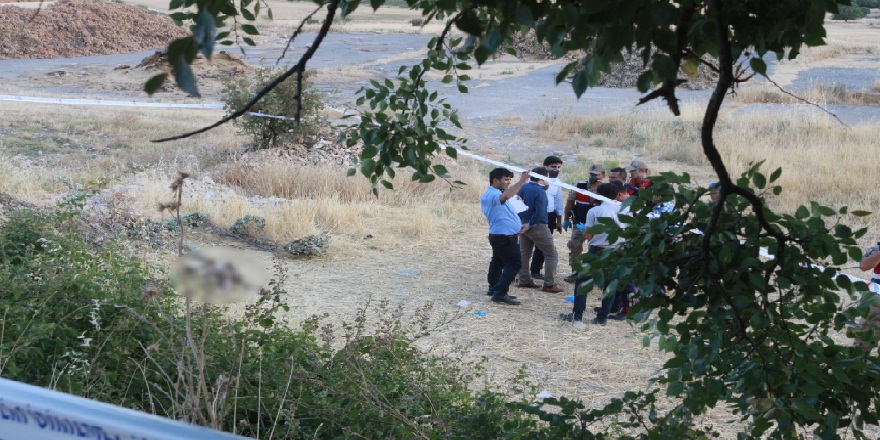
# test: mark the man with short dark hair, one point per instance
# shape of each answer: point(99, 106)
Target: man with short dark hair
point(554, 211)
point(617, 174)
point(576, 208)
point(598, 243)
point(537, 233)
point(504, 227)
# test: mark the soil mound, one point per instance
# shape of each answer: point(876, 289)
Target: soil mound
point(72, 28)
point(623, 75)
point(221, 60)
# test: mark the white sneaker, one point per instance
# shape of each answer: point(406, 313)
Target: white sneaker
point(578, 325)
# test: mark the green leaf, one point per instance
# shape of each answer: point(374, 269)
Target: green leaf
point(760, 180)
point(247, 14)
point(441, 171)
point(524, 15)
point(469, 23)
point(351, 172)
point(674, 388)
point(452, 152)
point(250, 29)
point(205, 33)
point(563, 74)
point(775, 174)
point(155, 82)
point(387, 184)
point(184, 77)
point(579, 82)
point(249, 41)
point(805, 409)
point(462, 88)
point(759, 66)
point(861, 213)
point(664, 66)
point(492, 40)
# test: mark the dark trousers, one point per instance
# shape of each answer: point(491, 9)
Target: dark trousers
point(580, 301)
point(538, 256)
point(505, 263)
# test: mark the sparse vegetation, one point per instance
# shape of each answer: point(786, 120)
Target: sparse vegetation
point(272, 132)
point(847, 13)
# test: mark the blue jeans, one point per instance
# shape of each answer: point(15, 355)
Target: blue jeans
point(505, 263)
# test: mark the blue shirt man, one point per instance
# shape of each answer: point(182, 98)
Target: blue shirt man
point(537, 234)
point(535, 197)
point(504, 228)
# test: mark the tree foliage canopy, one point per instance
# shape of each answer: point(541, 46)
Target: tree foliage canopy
point(749, 331)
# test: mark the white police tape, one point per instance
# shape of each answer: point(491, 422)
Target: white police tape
point(111, 103)
point(71, 101)
point(763, 252)
point(30, 412)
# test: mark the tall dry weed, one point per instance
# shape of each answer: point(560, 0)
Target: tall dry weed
point(822, 160)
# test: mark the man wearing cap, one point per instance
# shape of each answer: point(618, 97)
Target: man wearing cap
point(504, 226)
point(537, 233)
point(639, 171)
point(714, 192)
point(576, 207)
point(554, 211)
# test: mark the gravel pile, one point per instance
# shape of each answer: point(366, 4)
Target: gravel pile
point(72, 28)
point(623, 75)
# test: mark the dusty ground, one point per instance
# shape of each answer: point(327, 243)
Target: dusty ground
point(448, 267)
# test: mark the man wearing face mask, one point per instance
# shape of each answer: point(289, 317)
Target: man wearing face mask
point(537, 234)
point(554, 211)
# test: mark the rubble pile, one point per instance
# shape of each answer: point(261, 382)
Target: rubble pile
point(73, 28)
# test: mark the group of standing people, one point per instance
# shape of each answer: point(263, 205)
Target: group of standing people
point(523, 217)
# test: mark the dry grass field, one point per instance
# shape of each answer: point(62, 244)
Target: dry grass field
point(426, 243)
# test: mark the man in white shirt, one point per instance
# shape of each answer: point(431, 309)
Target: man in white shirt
point(598, 243)
point(554, 211)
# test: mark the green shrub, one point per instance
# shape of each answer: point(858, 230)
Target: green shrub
point(867, 3)
point(847, 13)
point(91, 322)
point(272, 132)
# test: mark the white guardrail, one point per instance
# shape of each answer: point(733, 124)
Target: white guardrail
point(28, 412)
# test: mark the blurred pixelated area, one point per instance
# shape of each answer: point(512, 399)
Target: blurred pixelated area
point(219, 275)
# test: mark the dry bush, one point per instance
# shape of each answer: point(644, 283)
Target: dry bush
point(835, 48)
point(297, 201)
point(822, 160)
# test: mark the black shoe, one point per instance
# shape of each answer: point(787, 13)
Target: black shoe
point(491, 293)
point(537, 276)
point(567, 317)
point(612, 311)
point(598, 321)
point(506, 299)
point(617, 316)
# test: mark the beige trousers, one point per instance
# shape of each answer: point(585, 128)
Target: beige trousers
point(538, 236)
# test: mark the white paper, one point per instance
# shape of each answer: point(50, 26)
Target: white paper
point(517, 204)
point(463, 303)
